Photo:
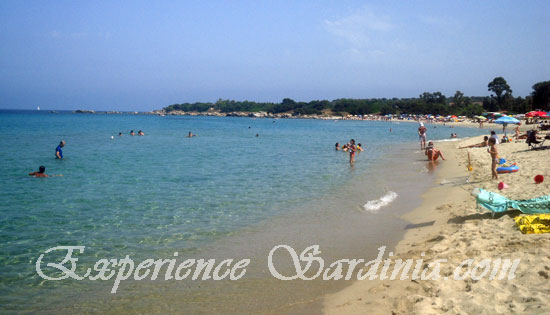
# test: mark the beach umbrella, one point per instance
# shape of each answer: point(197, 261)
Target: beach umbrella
point(536, 114)
point(505, 120)
point(480, 117)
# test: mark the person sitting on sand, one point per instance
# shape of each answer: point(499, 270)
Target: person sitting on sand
point(517, 131)
point(359, 147)
point(337, 146)
point(494, 136)
point(478, 145)
point(132, 133)
point(433, 153)
point(141, 133)
point(493, 151)
point(41, 172)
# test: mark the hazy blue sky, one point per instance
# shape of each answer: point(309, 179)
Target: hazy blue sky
point(143, 55)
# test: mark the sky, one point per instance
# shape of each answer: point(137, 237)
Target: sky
point(144, 55)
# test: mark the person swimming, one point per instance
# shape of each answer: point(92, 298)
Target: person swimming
point(337, 146)
point(190, 135)
point(141, 133)
point(120, 134)
point(132, 133)
point(42, 172)
point(359, 147)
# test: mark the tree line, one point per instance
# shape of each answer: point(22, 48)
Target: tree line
point(501, 99)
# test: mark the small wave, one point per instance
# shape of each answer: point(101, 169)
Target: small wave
point(449, 140)
point(375, 205)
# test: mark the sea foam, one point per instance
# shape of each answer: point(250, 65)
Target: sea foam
point(375, 205)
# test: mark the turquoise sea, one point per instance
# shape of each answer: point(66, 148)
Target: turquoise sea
point(226, 190)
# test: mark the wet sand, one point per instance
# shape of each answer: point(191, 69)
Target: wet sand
point(447, 225)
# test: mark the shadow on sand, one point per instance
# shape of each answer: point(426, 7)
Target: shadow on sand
point(484, 216)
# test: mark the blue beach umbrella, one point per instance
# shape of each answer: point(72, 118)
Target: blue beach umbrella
point(505, 120)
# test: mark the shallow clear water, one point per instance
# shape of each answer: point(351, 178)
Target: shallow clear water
point(149, 196)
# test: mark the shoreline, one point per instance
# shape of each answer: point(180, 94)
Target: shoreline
point(447, 225)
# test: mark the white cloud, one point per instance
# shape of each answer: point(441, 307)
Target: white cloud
point(359, 27)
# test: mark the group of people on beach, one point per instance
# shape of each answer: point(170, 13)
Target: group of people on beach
point(351, 148)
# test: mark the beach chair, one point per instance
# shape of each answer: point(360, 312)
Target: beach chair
point(532, 140)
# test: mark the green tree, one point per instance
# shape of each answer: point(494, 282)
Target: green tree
point(459, 99)
point(541, 95)
point(501, 89)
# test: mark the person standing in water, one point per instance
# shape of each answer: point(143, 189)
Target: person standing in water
point(58, 151)
point(352, 149)
point(337, 146)
point(422, 136)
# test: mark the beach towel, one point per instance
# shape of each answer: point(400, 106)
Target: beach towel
point(497, 203)
point(533, 224)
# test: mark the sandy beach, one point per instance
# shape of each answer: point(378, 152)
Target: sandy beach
point(448, 226)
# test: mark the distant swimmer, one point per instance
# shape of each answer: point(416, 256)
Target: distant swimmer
point(390, 129)
point(337, 146)
point(132, 133)
point(359, 147)
point(257, 135)
point(58, 151)
point(41, 173)
point(120, 134)
point(190, 135)
point(422, 136)
point(141, 133)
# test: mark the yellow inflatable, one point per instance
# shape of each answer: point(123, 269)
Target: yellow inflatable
point(533, 224)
